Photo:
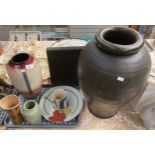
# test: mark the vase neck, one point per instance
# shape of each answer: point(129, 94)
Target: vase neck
point(21, 60)
point(119, 40)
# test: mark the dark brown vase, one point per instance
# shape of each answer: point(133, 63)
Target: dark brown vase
point(113, 69)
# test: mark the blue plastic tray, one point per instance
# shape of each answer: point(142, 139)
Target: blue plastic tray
point(2, 116)
point(45, 124)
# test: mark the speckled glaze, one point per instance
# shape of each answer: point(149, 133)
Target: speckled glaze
point(25, 74)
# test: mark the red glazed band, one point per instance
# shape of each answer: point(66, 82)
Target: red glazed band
point(29, 59)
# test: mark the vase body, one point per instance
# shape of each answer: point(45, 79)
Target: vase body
point(113, 69)
point(32, 112)
point(25, 74)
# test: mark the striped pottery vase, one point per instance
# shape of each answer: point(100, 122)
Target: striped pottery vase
point(25, 74)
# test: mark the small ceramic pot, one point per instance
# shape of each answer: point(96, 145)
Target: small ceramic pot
point(11, 104)
point(32, 112)
point(25, 74)
point(59, 96)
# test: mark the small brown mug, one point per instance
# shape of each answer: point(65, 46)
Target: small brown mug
point(11, 104)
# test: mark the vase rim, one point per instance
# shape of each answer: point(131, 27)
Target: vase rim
point(8, 98)
point(28, 102)
point(119, 40)
point(18, 59)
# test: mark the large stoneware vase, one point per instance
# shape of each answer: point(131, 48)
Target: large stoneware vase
point(113, 70)
point(25, 74)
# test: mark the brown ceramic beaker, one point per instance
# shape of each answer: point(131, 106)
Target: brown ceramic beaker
point(11, 104)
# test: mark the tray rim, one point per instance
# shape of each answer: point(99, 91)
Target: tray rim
point(40, 126)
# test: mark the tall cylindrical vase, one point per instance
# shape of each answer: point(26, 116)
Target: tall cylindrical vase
point(11, 105)
point(25, 74)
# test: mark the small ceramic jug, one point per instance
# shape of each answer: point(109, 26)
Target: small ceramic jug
point(32, 112)
point(11, 104)
point(59, 96)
